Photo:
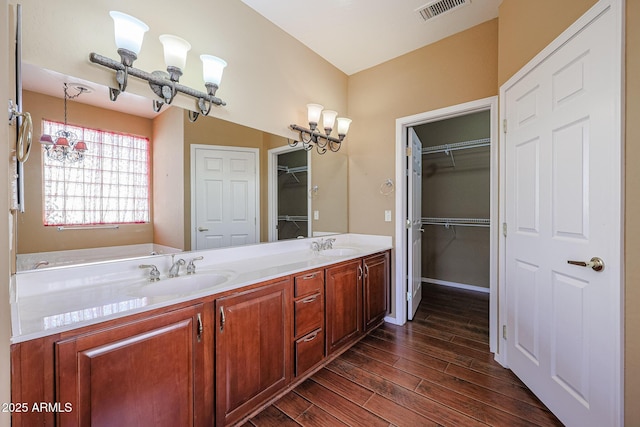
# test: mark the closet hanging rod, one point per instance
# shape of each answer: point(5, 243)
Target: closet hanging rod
point(293, 218)
point(465, 222)
point(445, 148)
point(297, 169)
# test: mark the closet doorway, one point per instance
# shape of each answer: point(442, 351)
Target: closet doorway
point(289, 189)
point(459, 203)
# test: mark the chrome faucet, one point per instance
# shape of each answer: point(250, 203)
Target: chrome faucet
point(328, 244)
point(174, 271)
point(154, 273)
point(191, 267)
point(316, 246)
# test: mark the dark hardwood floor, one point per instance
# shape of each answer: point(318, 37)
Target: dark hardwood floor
point(434, 371)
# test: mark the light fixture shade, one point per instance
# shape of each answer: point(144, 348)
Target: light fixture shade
point(46, 139)
point(80, 146)
point(175, 51)
point(129, 31)
point(343, 125)
point(313, 112)
point(212, 68)
point(329, 118)
point(62, 142)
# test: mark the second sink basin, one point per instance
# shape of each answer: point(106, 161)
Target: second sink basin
point(184, 284)
point(339, 252)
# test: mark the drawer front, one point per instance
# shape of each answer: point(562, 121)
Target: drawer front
point(309, 283)
point(309, 314)
point(309, 351)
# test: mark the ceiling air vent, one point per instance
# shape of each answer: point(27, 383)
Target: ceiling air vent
point(440, 7)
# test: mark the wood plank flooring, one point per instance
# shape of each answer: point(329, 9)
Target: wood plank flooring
point(434, 371)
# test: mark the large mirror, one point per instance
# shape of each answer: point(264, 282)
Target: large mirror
point(297, 194)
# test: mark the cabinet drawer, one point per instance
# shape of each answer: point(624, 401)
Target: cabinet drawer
point(309, 314)
point(309, 351)
point(309, 283)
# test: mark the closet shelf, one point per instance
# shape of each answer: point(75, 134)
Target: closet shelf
point(466, 222)
point(446, 148)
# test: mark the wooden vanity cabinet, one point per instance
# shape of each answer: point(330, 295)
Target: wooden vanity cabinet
point(308, 320)
point(147, 372)
point(253, 348)
point(377, 280)
point(343, 288)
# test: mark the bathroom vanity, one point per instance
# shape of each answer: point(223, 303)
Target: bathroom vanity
point(125, 351)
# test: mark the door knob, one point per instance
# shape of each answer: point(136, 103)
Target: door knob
point(595, 263)
point(201, 229)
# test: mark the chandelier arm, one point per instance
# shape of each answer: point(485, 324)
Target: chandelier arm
point(149, 77)
point(193, 116)
point(204, 106)
point(334, 146)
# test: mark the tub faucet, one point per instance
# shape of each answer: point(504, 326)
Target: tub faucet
point(174, 271)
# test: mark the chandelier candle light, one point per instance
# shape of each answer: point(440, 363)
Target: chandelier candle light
point(129, 32)
point(310, 137)
point(64, 145)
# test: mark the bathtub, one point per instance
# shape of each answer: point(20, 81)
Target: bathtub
point(82, 256)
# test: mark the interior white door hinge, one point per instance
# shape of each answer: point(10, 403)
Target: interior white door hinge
point(504, 332)
point(504, 229)
point(409, 296)
point(408, 151)
point(504, 125)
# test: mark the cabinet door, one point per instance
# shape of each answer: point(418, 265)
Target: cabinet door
point(343, 304)
point(376, 288)
point(253, 349)
point(145, 373)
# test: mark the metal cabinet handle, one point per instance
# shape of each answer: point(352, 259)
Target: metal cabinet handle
point(222, 319)
point(312, 298)
point(597, 264)
point(311, 337)
point(309, 276)
point(200, 327)
point(359, 272)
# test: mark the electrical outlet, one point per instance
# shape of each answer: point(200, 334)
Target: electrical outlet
point(387, 216)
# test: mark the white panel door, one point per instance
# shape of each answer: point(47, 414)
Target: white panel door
point(225, 198)
point(563, 191)
point(414, 223)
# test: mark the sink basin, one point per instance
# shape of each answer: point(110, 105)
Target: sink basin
point(184, 284)
point(339, 252)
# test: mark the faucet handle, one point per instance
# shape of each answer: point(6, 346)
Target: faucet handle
point(154, 274)
point(191, 267)
point(329, 243)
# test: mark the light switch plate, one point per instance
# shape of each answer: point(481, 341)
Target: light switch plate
point(387, 216)
point(316, 215)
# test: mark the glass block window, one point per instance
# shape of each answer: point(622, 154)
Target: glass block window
point(110, 186)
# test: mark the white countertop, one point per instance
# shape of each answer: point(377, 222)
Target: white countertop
point(49, 301)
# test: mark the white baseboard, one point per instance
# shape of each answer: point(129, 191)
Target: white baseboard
point(456, 285)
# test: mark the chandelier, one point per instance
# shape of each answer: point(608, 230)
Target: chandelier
point(310, 137)
point(64, 146)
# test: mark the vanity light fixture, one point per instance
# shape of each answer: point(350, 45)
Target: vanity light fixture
point(310, 137)
point(64, 145)
point(129, 32)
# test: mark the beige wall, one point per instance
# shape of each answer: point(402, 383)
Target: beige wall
point(33, 236)
point(7, 136)
point(632, 213)
point(168, 191)
point(457, 69)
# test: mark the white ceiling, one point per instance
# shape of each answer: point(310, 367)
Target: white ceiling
point(354, 35)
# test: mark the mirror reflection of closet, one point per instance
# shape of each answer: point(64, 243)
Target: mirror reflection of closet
point(293, 201)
